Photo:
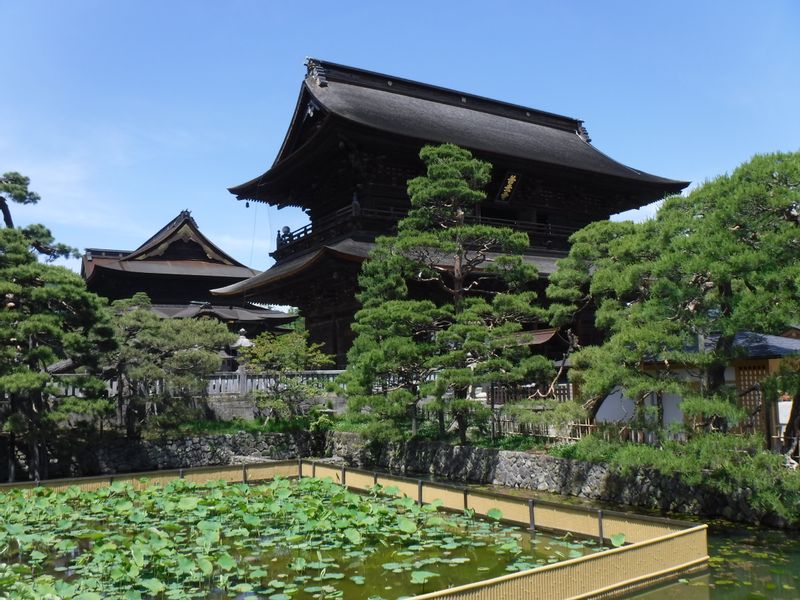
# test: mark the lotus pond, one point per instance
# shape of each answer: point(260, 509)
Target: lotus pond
point(285, 539)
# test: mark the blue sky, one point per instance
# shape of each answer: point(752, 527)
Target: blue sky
point(123, 113)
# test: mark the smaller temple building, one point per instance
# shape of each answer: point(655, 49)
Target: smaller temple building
point(177, 267)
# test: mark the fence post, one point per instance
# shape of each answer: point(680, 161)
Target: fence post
point(600, 525)
point(419, 492)
point(374, 478)
point(531, 516)
point(242, 381)
point(344, 475)
point(299, 468)
point(180, 473)
point(466, 499)
point(244, 473)
point(313, 468)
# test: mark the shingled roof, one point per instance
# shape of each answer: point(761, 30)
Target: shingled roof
point(354, 251)
point(434, 114)
point(156, 257)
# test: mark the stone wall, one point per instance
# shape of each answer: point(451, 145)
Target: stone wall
point(168, 453)
point(645, 488)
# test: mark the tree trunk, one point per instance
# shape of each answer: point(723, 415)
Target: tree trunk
point(131, 417)
point(458, 269)
point(38, 452)
point(12, 452)
point(440, 415)
point(461, 421)
point(413, 410)
point(491, 408)
point(715, 377)
point(660, 407)
point(120, 400)
point(6, 213)
point(35, 459)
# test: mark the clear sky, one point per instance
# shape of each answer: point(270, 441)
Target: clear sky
point(125, 112)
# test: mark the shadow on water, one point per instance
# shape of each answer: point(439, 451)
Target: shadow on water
point(746, 562)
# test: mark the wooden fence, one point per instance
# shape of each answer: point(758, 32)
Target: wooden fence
point(656, 549)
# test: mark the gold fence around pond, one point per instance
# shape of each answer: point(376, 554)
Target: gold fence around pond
point(655, 549)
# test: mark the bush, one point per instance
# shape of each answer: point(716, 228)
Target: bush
point(727, 463)
point(512, 442)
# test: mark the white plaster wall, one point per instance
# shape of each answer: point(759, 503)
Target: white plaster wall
point(619, 408)
point(672, 412)
point(783, 413)
point(615, 408)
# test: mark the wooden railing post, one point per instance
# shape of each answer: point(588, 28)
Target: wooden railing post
point(600, 525)
point(531, 515)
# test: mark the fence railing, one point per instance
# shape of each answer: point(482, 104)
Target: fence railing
point(234, 383)
point(656, 549)
point(240, 383)
point(354, 217)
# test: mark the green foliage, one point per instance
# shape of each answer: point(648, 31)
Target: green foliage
point(162, 362)
point(514, 442)
point(14, 188)
point(727, 463)
point(47, 316)
point(465, 334)
point(285, 538)
point(673, 291)
point(286, 352)
point(314, 420)
point(280, 358)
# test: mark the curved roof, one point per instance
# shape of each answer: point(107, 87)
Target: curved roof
point(433, 114)
point(226, 313)
point(354, 251)
point(157, 257)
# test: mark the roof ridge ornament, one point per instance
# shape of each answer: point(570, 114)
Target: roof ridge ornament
point(317, 71)
point(583, 133)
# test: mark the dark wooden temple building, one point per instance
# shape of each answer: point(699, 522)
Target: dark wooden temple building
point(352, 145)
point(177, 267)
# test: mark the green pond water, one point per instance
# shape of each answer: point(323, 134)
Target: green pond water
point(746, 562)
point(320, 541)
point(286, 539)
point(387, 572)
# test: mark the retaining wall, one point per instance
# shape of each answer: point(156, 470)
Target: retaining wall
point(644, 488)
point(173, 453)
point(647, 489)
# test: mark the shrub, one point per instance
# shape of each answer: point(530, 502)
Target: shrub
point(729, 464)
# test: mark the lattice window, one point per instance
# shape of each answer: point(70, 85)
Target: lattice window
point(751, 402)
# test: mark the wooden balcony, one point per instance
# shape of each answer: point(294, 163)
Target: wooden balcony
point(376, 221)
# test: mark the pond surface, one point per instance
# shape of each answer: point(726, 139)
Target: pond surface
point(746, 562)
point(305, 538)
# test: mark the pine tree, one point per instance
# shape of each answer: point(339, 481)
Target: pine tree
point(165, 362)
point(674, 291)
point(14, 188)
point(47, 316)
point(465, 334)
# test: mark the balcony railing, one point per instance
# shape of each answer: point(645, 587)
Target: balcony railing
point(380, 220)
